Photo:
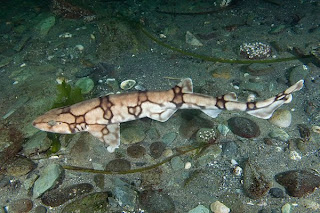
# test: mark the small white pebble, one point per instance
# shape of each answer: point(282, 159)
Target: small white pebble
point(218, 207)
point(294, 155)
point(237, 171)
point(80, 47)
point(187, 165)
point(23, 65)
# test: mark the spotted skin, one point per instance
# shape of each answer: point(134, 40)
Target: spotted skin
point(102, 116)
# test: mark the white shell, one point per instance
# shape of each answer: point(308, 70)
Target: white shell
point(127, 84)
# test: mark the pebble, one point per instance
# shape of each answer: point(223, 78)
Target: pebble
point(118, 165)
point(40, 209)
point(85, 84)
point(169, 137)
point(218, 207)
point(209, 155)
point(299, 183)
point(21, 205)
point(48, 179)
point(244, 127)
point(187, 165)
point(124, 194)
point(99, 181)
point(136, 151)
point(95, 202)
point(156, 201)
point(59, 196)
point(255, 184)
point(192, 40)
point(294, 155)
point(38, 143)
point(286, 208)
point(281, 118)
point(277, 193)
point(132, 134)
point(127, 84)
point(259, 69)
point(205, 135)
point(157, 149)
point(177, 163)
point(279, 134)
point(18, 166)
point(223, 129)
point(199, 209)
point(298, 73)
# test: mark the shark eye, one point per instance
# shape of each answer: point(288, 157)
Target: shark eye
point(52, 123)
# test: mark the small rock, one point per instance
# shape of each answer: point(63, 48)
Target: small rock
point(38, 143)
point(156, 202)
point(286, 208)
point(244, 127)
point(136, 151)
point(177, 163)
point(40, 209)
point(124, 194)
point(279, 134)
point(276, 192)
point(48, 179)
point(299, 183)
point(223, 129)
point(118, 165)
point(43, 27)
point(205, 135)
point(169, 137)
point(281, 118)
point(298, 73)
point(218, 207)
point(127, 84)
point(28, 183)
point(132, 134)
point(255, 183)
point(58, 197)
point(192, 40)
point(18, 166)
point(85, 84)
point(156, 149)
point(21, 205)
point(199, 209)
point(153, 134)
point(95, 202)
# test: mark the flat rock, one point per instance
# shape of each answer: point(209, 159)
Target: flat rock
point(244, 127)
point(199, 209)
point(136, 151)
point(132, 134)
point(38, 143)
point(95, 202)
point(18, 166)
point(281, 118)
point(21, 205)
point(59, 196)
point(118, 165)
point(299, 183)
point(156, 202)
point(48, 179)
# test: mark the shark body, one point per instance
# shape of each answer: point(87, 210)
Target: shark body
point(102, 116)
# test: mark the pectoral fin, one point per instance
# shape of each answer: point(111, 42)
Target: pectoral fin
point(109, 134)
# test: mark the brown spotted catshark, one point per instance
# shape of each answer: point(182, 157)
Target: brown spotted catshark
point(102, 116)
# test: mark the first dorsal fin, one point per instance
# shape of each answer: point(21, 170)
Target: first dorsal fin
point(186, 85)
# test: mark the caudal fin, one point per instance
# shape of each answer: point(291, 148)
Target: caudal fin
point(264, 109)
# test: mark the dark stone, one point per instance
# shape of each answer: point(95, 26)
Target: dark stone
point(118, 165)
point(95, 202)
point(255, 183)
point(21, 205)
point(18, 166)
point(156, 149)
point(156, 202)
point(136, 151)
point(59, 196)
point(40, 209)
point(244, 127)
point(276, 192)
point(299, 183)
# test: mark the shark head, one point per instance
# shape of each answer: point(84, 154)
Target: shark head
point(55, 121)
